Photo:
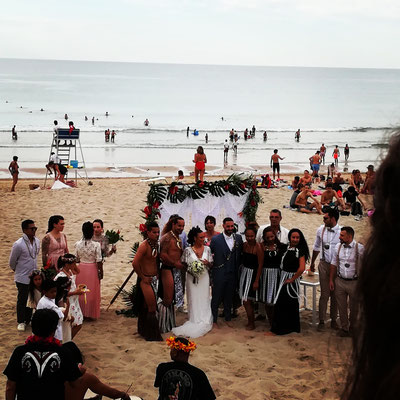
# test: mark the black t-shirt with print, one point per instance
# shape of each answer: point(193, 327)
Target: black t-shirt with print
point(182, 381)
point(350, 197)
point(40, 371)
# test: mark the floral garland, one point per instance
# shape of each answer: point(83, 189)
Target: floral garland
point(172, 343)
point(41, 340)
point(177, 192)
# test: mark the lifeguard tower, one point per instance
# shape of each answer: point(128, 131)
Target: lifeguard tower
point(65, 146)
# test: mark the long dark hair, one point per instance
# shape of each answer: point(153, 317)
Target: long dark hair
point(173, 219)
point(302, 246)
point(193, 234)
point(36, 272)
point(269, 229)
point(54, 219)
point(374, 373)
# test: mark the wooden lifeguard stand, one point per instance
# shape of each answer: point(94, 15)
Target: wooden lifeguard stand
point(65, 150)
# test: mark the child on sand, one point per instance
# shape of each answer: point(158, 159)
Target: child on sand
point(36, 279)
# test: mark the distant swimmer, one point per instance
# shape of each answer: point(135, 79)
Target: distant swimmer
point(206, 137)
point(113, 136)
point(336, 155)
point(66, 117)
point(41, 109)
point(196, 132)
point(222, 118)
point(346, 152)
point(297, 135)
point(86, 118)
point(187, 131)
point(322, 152)
point(146, 122)
point(92, 120)
point(106, 113)
point(265, 136)
point(14, 134)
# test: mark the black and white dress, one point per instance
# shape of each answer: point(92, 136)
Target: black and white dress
point(248, 277)
point(270, 274)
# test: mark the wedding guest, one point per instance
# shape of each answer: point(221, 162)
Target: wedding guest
point(88, 380)
point(45, 379)
point(269, 281)
point(374, 365)
point(252, 260)
point(146, 265)
point(275, 219)
point(89, 257)
point(200, 161)
point(171, 248)
point(23, 261)
point(54, 244)
point(67, 267)
point(48, 301)
point(99, 237)
point(197, 260)
point(36, 279)
point(63, 284)
point(14, 171)
point(286, 312)
point(179, 379)
point(209, 225)
point(226, 249)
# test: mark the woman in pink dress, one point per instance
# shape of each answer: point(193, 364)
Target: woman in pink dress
point(88, 253)
point(54, 244)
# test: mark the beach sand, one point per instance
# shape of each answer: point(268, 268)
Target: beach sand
point(239, 364)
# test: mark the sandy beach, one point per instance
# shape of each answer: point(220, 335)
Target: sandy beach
point(239, 364)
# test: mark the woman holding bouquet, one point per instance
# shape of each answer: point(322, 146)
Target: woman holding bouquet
point(197, 259)
point(88, 253)
point(99, 237)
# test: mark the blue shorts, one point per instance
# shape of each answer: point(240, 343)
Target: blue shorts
point(315, 167)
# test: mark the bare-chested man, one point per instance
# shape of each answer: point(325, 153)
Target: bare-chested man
point(315, 162)
point(275, 163)
point(171, 252)
point(322, 152)
point(328, 196)
point(145, 264)
point(303, 204)
point(306, 179)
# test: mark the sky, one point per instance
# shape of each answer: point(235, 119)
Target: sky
point(316, 33)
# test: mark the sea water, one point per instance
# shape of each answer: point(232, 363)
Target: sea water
point(334, 106)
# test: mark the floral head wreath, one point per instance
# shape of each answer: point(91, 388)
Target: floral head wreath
point(173, 343)
point(70, 259)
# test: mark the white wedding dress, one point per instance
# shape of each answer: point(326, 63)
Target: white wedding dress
point(198, 299)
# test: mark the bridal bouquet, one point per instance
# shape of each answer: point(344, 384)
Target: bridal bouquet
point(114, 237)
point(196, 268)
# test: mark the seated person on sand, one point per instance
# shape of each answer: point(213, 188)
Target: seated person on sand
point(356, 179)
point(180, 380)
point(146, 265)
point(302, 203)
point(337, 181)
point(295, 182)
point(368, 187)
point(306, 179)
point(350, 197)
point(328, 196)
point(87, 380)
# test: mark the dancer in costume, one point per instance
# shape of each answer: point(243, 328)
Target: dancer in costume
point(252, 258)
point(145, 264)
point(197, 259)
point(286, 313)
point(273, 252)
point(171, 251)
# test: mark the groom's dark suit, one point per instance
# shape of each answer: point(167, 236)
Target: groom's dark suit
point(224, 273)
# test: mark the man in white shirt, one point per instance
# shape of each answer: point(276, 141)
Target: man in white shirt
point(275, 218)
point(23, 260)
point(226, 149)
point(344, 270)
point(326, 239)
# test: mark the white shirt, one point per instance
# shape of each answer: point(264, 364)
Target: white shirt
point(229, 240)
point(54, 157)
point(23, 258)
point(330, 239)
point(347, 259)
point(226, 146)
point(282, 234)
point(45, 302)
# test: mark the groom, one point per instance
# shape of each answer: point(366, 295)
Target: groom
point(226, 248)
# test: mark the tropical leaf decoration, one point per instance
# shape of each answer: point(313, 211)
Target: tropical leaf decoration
point(133, 252)
point(128, 297)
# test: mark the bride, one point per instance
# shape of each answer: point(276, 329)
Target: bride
point(197, 257)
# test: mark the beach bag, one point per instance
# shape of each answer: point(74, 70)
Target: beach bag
point(356, 208)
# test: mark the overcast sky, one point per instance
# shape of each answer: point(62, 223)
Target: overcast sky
point(336, 33)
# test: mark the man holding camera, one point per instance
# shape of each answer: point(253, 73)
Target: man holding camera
point(325, 242)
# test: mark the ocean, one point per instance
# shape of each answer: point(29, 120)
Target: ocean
point(334, 106)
